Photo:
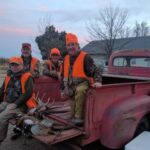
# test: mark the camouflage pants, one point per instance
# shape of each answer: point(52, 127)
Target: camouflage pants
point(5, 116)
point(78, 100)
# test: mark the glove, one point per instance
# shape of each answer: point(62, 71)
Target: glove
point(97, 85)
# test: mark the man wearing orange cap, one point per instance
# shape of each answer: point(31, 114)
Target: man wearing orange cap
point(53, 66)
point(79, 73)
point(16, 94)
point(31, 64)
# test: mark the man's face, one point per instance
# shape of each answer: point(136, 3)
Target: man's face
point(26, 52)
point(16, 67)
point(72, 48)
point(55, 57)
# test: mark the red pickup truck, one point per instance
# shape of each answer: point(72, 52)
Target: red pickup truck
point(113, 114)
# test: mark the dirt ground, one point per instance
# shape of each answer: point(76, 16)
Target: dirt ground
point(22, 143)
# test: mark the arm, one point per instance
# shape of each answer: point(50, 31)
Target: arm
point(62, 86)
point(91, 70)
point(62, 79)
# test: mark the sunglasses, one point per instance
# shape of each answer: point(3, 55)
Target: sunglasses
point(54, 55)
point(72, 44)
point(26, 48)
point(14, 64)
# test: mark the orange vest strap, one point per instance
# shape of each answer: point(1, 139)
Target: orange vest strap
point(7, 79)
point(34, 61)
point(49, 64)
point(24, 79)
point(66, 66)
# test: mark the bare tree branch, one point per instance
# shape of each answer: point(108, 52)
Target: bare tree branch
point(140, 29)
point(44, 22)
point(107, 26)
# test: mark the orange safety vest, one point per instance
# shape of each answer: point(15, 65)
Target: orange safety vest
point(31, 103)
point(34, 61)
point(78, 67)
point(50, 65)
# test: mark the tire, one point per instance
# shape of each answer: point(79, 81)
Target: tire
point(143, 125)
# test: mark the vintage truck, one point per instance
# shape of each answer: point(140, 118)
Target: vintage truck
point(130, 63)
point(113, 114)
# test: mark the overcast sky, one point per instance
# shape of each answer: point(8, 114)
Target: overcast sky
point(19, 19)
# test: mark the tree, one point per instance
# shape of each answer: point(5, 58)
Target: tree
point(108, 27)
point(50, 39)
point(125, 33)
point(140, 29)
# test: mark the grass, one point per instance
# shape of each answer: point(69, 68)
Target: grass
point(3, 70)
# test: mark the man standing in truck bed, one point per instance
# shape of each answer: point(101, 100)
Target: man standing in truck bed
point(31, 64)
point(79, 72)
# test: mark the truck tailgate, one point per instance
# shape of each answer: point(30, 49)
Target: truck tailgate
point(59, 137)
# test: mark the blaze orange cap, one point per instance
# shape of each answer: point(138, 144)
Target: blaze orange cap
point(16, 60)
point(71, 38)
point(55, 51)
point(26, 45)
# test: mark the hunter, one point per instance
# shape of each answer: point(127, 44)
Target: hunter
point(79, 73)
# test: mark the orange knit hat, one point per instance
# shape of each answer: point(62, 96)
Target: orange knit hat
point(71, 38)
point(16, 60)
point(55, 51)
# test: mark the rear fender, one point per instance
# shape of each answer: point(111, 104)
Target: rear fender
point(121, 119)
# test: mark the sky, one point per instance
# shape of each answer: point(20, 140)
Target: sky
point(23, 20)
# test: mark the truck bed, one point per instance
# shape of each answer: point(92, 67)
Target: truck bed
point(102, 104)
point(114, 79)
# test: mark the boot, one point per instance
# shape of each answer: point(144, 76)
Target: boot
point(77, 121)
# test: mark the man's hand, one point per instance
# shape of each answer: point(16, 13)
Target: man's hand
point(62, 94)
point(11, 106)
point(97, 85)
point(59, 75)
point(31, 111)
point(54, 73)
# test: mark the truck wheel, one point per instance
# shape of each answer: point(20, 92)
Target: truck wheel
point(143, 125)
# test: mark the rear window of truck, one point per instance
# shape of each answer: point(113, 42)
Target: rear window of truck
point(131, 61)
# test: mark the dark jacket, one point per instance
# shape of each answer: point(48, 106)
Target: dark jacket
point(51, 73)
point(90, 68)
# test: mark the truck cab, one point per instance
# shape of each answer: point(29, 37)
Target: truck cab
point(130, 62)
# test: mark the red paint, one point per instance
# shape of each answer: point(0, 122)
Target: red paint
point(111, 112)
